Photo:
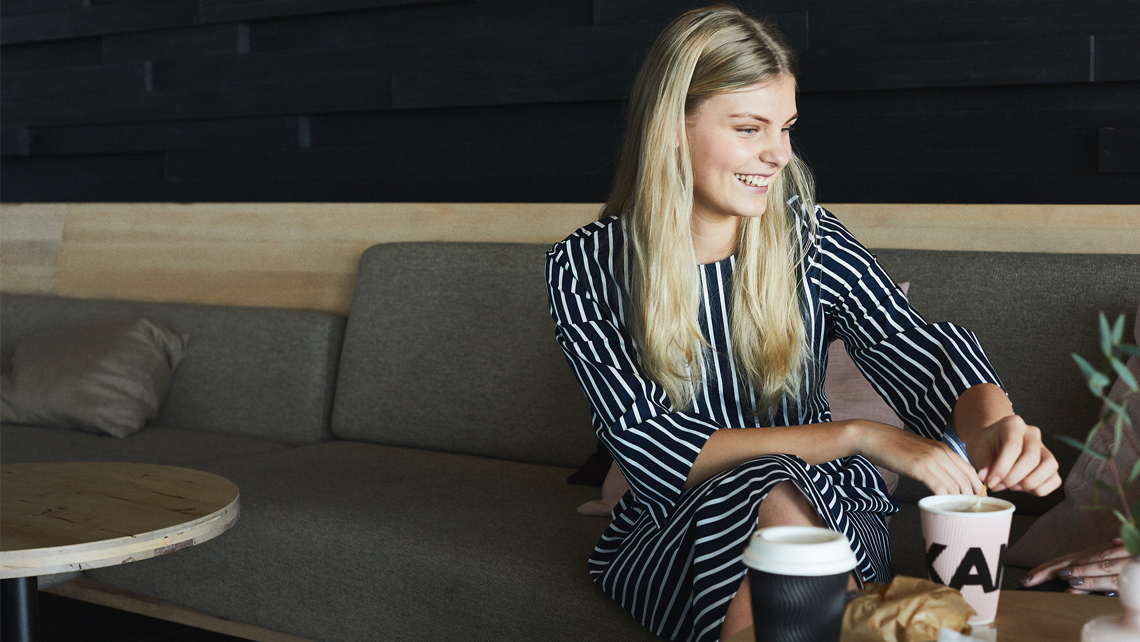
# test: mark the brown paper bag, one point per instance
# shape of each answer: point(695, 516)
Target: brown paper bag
point(908, 609)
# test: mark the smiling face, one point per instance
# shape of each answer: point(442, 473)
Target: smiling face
point(738, 142)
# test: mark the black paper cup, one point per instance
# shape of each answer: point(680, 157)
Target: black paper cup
point(798, 578)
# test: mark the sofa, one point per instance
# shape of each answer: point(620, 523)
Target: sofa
point(403, 471)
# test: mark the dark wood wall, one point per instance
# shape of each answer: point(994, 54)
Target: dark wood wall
point(1001, 101)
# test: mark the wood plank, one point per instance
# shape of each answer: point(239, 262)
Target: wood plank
point(970, 109)
point(303, 255)
point(934, 152)
point(295, 255)
point(1096, 229)
point(231, 10)
point(224, 133)
point(74, 82)
point(866, 185)
point(89, 590)
point(1117, 57)
point(66, 53)
point(348, 91)
point(971, 20)
point(17, 7)
point(30, 237)
point(190, 42)
point(1058, 59)
point(416, 24)
point(97, 20)
point(1119, 149)
point(586, 64)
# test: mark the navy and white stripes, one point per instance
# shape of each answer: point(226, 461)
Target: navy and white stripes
point(671, 557)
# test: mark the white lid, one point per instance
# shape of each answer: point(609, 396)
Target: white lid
point(799, 550)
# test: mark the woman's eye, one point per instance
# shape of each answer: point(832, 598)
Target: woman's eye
point(788, 130)
point(748, 130)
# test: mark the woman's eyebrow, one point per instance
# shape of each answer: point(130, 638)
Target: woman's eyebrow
point(761, 118)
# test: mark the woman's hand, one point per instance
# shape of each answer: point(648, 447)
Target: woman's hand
point(1096, 568)
point(1009, 454)
point(931, 462)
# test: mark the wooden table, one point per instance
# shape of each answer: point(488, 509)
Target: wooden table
point(60, 517)
point(1032, 616)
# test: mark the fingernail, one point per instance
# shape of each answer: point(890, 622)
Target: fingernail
point(1076, 581)
point(1065, 573)
point(1027, 579)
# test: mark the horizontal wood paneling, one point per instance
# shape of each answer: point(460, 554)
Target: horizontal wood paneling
point(228, 10)
point(375, 100)
point(166, 44)
point(304, 255)
point(96, 20)
point(47, 55)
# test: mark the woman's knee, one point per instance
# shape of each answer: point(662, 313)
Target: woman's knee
point(785, 505)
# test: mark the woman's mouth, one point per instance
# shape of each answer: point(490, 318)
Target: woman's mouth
point(755, 180)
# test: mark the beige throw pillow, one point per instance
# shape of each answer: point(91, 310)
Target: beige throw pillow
point(109, 376)
point(848, 392)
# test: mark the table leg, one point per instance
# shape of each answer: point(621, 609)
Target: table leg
point(20, 609)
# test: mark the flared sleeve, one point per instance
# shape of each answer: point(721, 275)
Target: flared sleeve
point(653, 444)
point(920, 369)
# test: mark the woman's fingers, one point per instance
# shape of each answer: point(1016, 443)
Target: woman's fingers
point(1044, 479)
point(1020, 461)
point(1096, 568)
point(1098, 583)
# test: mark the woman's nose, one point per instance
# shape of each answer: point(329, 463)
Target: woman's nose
point(776, 152)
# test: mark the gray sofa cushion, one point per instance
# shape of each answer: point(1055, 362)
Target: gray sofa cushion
point(450, 347)
point(259, 372)
point(1030, 312)
point(154, 445)
point(361, 542)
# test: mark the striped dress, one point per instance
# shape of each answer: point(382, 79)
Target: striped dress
point(672, 557)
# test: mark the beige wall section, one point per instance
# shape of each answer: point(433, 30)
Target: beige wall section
point(303, 255)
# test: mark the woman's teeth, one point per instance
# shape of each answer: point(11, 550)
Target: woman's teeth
point(753, 179)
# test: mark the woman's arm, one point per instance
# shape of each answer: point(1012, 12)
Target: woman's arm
point(1008, 452)
point(930, 462)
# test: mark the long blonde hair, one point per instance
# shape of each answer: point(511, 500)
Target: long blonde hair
point(702, 53)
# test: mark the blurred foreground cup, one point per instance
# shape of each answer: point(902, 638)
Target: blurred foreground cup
point(798, 576)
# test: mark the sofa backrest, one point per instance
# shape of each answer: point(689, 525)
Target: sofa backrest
point(258, 372)
point(450, 347)
point(1030, 312)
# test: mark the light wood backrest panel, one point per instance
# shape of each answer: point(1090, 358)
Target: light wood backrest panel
point(304, 255)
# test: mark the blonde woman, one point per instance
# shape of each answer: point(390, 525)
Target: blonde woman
point(697, 312)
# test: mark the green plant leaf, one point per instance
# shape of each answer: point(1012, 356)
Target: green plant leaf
point(1131, 536)
point(1124, 373)
point(1118, 330)
point(1096, 379)
point(1136, 508)
point(1105, 336)
point(1079, 446)
point(1127, 349)
point(1123, 520)
point(1114, 407)
point(1100, 484)
point(1117, 434)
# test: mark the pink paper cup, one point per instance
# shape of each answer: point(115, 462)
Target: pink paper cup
point(966, 550)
